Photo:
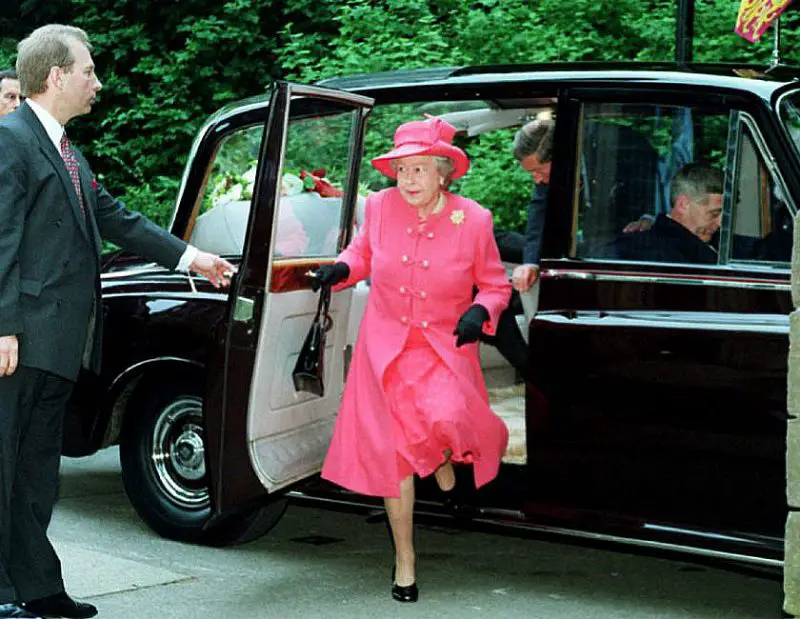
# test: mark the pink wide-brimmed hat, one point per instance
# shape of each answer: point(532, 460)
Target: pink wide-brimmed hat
point(432, 136)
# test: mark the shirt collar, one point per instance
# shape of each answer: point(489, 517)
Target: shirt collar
point(439, 205)
point(51, 125)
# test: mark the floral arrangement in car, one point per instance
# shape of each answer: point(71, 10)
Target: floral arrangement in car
point(233, 187)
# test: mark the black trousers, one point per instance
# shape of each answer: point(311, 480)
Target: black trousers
point(508, 338)
point(32, 404)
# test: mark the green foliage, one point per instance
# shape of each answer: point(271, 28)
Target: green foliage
point(498, 183)
point(167, 65)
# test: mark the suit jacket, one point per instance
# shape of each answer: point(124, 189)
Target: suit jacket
point(50, 251)
point(537, 210)
point(666, 241)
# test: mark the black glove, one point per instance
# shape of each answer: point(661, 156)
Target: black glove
point(470, 325)
point(329, 275)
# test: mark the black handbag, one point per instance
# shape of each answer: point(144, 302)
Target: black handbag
point(310, 367)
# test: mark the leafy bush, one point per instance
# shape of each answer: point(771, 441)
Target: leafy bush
point(167, 65)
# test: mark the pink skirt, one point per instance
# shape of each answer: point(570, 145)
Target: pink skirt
point(428, 409)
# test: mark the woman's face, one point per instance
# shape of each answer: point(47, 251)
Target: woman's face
point(419, 181)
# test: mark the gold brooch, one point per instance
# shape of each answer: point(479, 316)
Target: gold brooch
point(457, 217)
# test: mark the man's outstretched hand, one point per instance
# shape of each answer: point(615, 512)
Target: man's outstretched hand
point(524, 276)
point(215, 269)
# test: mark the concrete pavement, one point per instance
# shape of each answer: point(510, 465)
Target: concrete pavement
point(319, 563)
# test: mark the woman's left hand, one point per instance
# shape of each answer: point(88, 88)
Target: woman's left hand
point(470, 325)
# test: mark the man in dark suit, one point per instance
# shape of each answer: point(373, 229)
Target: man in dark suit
point(685, 233)
point(53, 215)
point(533, 148)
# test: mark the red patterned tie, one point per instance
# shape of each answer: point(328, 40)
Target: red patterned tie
point(68, 155)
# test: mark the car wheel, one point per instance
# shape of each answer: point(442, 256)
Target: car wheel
point(162, 453)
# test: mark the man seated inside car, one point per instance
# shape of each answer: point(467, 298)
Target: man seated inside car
point(683, 234)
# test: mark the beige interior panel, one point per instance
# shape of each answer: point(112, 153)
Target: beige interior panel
point(288, 432)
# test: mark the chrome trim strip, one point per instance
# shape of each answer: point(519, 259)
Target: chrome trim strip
point(150, 269)
point(694, 321)
point(727, 282)
point(331, 94)
point(183, 295)
point(522, 525)
point(681, 548)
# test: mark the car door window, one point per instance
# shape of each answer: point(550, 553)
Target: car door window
point(628, 157)
point(309, 210)
point(761, 221)
point(221, 224)
point(309, 213)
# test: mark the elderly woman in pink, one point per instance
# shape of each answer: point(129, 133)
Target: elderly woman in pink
point(415, 401)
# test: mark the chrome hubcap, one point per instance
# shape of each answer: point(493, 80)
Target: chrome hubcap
point(178, 456)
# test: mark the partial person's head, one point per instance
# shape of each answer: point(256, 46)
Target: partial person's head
point(423, 160)
point(533, 148)
point(10, 97)
point(55, 69)
point(696, 199)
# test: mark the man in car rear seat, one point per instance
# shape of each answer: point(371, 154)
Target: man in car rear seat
point(683, 234)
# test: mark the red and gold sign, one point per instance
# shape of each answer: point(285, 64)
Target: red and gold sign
point(755, 16)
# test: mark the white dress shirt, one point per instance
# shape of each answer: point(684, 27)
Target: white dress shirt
point(55, 131)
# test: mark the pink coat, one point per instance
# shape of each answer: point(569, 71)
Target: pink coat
point(417, 279)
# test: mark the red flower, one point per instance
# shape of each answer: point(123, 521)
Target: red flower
point(94, 184)
point(322, 186)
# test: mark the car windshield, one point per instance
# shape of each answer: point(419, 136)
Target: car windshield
point(790, 115)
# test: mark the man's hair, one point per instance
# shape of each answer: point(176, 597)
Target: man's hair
point(45, 48)
point(696, 180)
point(8, 74)
point(535, 138)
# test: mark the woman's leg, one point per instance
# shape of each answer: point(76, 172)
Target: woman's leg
point(445, 475)
point(401, 521)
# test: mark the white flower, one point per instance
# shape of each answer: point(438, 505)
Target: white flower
point(457, 217)
point(291, 185)
point(250, 175)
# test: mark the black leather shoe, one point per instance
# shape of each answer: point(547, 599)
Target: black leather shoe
point(60, 605)
point(12, 610)
point(408, 593)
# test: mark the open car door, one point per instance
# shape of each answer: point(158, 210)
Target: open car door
point(262, 434)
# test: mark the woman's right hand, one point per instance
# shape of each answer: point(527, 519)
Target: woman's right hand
point(329, 275)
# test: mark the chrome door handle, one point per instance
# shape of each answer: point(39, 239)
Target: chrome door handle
point(581, 275)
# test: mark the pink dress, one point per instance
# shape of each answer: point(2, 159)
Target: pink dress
point(410, 393)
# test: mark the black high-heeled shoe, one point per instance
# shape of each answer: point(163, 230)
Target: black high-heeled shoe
point(409, 593)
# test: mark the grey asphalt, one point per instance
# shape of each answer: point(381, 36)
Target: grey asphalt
point(328, 564)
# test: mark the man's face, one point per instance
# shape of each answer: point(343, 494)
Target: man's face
point(79, 84)
point(538, 170)
point(702, 216)
point(9, 96)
